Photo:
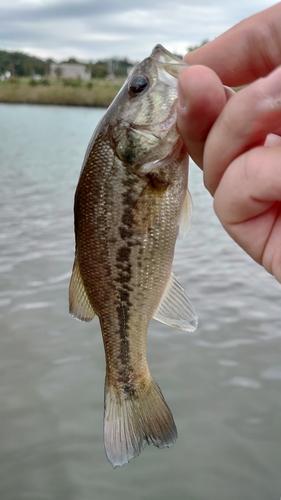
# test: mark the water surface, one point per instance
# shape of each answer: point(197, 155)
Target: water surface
point(223, 383)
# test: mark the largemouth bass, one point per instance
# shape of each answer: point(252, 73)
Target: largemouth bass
point(131, 195)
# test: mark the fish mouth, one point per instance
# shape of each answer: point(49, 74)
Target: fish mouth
point(172, 64)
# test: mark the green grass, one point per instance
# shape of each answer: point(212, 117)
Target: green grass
point(98, 93)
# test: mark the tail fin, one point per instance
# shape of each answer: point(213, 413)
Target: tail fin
point(132, 421)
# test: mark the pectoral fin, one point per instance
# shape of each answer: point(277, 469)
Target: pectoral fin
point(79, 304)
point(175, 308)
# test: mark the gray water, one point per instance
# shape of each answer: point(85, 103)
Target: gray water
point(223, 383)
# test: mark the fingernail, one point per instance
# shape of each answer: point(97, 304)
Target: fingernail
point(228, 92)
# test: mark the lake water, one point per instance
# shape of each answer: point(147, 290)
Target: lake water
point(223, 383)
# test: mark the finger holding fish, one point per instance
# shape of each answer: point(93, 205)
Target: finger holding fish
point(202, 97)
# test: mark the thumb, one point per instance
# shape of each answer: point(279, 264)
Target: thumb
point(201, 99)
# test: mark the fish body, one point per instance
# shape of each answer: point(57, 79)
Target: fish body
point(129, 199)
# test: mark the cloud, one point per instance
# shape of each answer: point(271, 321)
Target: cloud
point(90, 29)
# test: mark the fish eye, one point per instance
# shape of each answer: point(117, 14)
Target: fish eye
point(137, 85)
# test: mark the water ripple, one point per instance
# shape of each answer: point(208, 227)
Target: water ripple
point(223, 382)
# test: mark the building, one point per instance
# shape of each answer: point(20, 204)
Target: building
point(66, 70)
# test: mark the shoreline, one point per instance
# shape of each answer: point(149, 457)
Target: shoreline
point(95, 93)
point(66, 105)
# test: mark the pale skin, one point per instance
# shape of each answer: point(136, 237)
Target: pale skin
point(236, 138)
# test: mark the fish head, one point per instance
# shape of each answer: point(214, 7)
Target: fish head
point(143, 120)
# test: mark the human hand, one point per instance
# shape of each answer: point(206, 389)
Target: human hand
point(237, 140)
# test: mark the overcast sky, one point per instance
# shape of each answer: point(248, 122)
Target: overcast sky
point(94, 29)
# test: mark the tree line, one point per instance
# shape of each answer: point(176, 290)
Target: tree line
point(20, 64)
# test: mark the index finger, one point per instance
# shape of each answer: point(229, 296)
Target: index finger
point(249, 50)
point(245, 122)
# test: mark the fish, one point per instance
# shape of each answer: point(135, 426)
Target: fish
point(131, 199)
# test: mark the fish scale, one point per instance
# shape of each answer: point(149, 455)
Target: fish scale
point(128, 204)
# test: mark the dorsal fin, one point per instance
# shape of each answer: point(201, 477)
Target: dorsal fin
point(175, 308)
point(79, 304)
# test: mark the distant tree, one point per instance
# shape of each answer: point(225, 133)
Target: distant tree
point(121, 68)
point(113, 67)
point(72, 60)
point(194, 47)
point(48, 65)
point(98, 69)
point(58, 72)
point(21, 64)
